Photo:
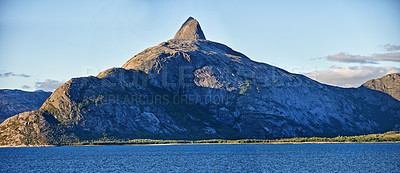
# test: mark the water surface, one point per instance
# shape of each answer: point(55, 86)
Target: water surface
point(205, 158)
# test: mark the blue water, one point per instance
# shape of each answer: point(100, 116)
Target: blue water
point(205, 158)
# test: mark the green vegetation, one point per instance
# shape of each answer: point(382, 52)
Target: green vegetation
point(99, 99)
point(52, 109)
point(392, 136)
point(245, 87)
point(84, 104)
point(227, 84)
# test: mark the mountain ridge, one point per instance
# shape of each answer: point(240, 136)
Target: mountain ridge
point(15, 101)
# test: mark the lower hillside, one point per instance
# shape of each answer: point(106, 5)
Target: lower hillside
point(28, 128)
point(391, 136)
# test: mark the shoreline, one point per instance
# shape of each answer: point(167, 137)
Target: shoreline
point(272, 143)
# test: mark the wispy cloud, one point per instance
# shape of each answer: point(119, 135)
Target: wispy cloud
point(391, 47)
point(344, 57)
point(25, 87)
point(350, 76)
point(48, 85)
point(393, 55)
point(11, 74)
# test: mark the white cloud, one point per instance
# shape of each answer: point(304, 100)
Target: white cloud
point(345, 57)
point(48, 85)
point(350, 76)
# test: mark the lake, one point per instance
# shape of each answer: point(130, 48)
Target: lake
point(205, 158)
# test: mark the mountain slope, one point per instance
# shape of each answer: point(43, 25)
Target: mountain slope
point(16, 101)
point(117, 104)
point(260, 100)
point(389, 84)
point(192, 88)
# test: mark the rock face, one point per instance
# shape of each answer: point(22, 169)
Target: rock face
point(389, 84)
point(28, 128)
point(192, 88)
point(190, 30)
point(13, 102)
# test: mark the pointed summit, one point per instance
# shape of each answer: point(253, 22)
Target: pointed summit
point(190, 30)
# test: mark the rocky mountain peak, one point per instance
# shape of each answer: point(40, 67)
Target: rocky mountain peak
point(190, 30)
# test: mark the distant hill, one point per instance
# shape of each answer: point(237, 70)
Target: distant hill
point(389, 84)
point(13, 102)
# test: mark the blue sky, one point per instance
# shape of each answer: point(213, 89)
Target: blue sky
point(340, 42)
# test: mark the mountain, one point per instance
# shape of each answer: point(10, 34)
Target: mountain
point(389, 84)
point(16, 101)
point(192, 88)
